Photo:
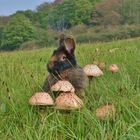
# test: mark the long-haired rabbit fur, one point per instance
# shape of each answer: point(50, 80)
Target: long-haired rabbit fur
point(63, 66)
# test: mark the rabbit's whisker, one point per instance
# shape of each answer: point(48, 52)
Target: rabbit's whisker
point(70, 63)
point(59, 75)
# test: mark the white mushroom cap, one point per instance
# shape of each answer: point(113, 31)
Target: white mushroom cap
point(113, 68)
point(68, 101)
point(63, 85)
point(104, 111)
point(92, 70)
point(41, 98)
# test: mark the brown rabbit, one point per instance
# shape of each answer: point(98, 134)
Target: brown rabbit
point(63, 66)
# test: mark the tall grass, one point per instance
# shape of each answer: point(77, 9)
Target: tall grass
point(23, 73)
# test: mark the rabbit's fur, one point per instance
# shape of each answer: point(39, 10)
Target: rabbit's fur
point(63, 66)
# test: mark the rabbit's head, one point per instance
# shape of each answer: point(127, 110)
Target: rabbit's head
point(63, 57)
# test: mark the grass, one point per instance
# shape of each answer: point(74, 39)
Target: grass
point(23, 73)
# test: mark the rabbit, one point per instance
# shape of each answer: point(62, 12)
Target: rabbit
point(63, 66)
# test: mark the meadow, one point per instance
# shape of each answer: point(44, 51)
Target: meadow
point(22, 73)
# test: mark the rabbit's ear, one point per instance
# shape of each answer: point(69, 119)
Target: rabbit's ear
point(69, 44)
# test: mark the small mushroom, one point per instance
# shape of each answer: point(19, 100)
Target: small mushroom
point(113, 68)
point(92, 70)
point(101, 65)
point(63, 85)
point(105, 111)
point(41, 98)
point(68, 101)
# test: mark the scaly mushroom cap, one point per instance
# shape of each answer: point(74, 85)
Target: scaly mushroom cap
point(63, 85)
point(68, 101)
point(92, 70)
point(105, 111)
point(41, 98)
point(113, 68)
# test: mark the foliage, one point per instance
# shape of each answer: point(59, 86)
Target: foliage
point(88, 20)
point(27, 13)
point(130, 10)
point(29, 45)
point(70, 13)
point(58, 1)
point(78, 29)
point(4, 20)
point(108, 33)
point(110, 12)
point(42, 13)
point(17, 31)
point(1, 30)
point(46, 38)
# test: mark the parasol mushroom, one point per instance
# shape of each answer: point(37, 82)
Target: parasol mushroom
point(105, 111)
point(113, 68)
point(63, 86)
point(68, 101)
point(92, 70)
point(41, 98)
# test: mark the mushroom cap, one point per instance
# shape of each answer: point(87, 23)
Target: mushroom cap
point(104, 111)
point(63, 85)
point(41, 98)
point(68, 101)
point(113, 68)
point(92, 70)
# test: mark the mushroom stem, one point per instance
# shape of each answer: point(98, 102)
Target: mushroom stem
point(42, 111)
point(90, 80)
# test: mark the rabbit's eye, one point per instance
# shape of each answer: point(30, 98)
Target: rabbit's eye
point(63, 58)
